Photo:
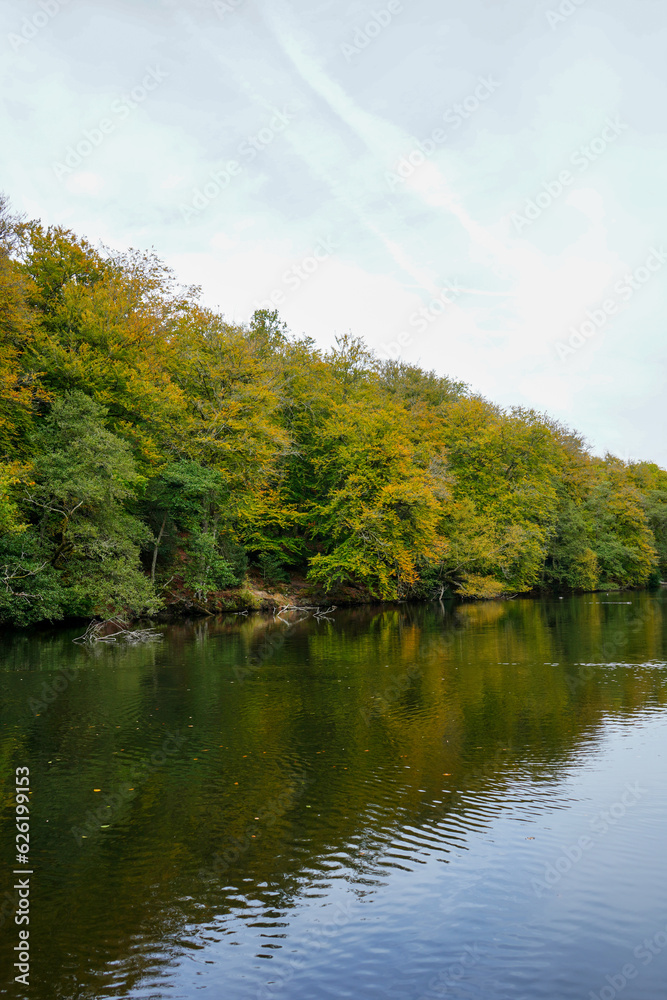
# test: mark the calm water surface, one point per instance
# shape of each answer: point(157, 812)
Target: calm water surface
point(409, 803)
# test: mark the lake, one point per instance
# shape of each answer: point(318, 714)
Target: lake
point(404, 802)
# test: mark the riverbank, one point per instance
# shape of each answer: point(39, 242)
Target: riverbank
point(298, 592)
point(256, 595)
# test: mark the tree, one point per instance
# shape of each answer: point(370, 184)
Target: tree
point(20, 391)
point(185, 499)
point(232, 390)
point(378, 510)
point(620, 533)
point(651, 481)
point(106, 328)
point(83, 476)
point(144, 438)
point(571, 562)
point(506, 467)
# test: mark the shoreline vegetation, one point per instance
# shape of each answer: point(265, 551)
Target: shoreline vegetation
point(159, 461)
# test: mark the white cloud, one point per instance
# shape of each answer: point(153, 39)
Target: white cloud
point(324, 176)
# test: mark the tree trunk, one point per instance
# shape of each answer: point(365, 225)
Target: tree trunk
point(155, 550)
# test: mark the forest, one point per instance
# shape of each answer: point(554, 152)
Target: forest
point(157, 458)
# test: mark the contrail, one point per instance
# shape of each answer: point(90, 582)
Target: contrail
point(382, 138)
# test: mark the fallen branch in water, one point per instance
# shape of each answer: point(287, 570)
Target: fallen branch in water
point(317, 611)
point(95, 630)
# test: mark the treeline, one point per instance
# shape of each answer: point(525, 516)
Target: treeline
point(152, 451)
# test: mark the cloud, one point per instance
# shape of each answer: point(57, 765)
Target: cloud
point(412, 95)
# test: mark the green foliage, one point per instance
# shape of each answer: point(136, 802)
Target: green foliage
point(271, 569)
point(207, 569)
point(10, 517)
point(621, 535)
point(31, 589)
point(20, 393)
point(184, 492)
point(652, 484)
point(189, 502)
point(79, 531)
point(655, 507)
point(145, 441)
point(379, 514)
point(571, 563)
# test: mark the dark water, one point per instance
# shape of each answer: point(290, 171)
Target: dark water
point(409, 803)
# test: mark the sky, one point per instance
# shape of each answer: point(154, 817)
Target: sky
point(476, 187)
